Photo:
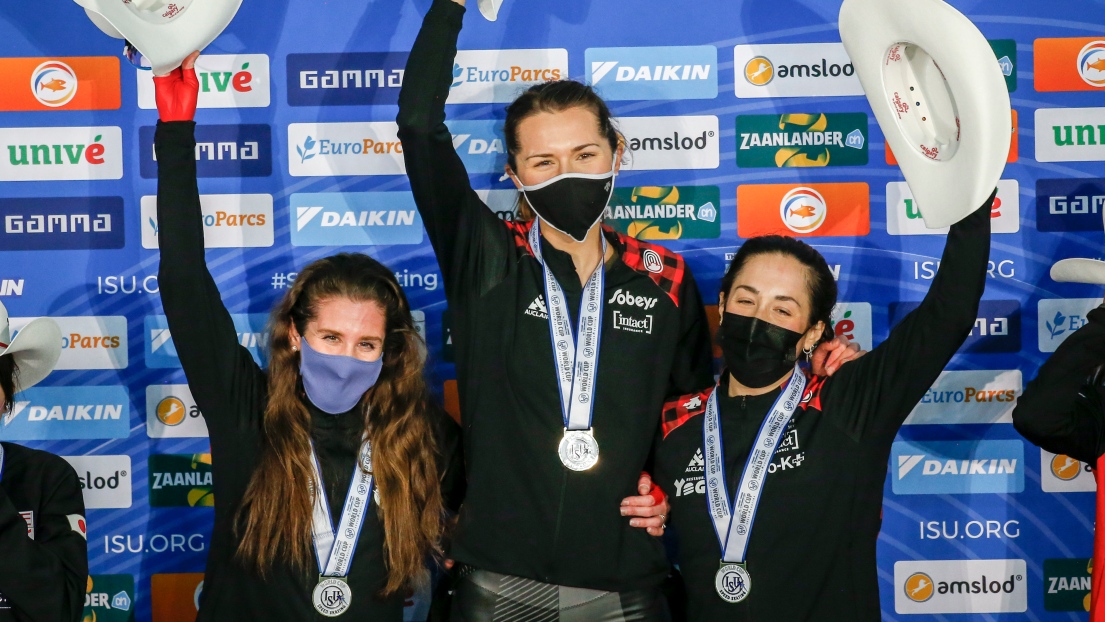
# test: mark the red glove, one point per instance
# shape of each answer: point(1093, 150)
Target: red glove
point(177, 92)
point(657, 495)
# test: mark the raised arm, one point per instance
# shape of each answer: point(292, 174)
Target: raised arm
point(1060, 411)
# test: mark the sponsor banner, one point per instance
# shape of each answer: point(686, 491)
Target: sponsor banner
point(997, 329)
point(794, 70)
point(60, 83)
point(960, 586)
point(229, 220)
point(1059, 473)
point(327, 149)
point(61, 223)
point(1057, 318)
point(243, 150)
point(172, 413)
point(1006, 52)
point(504, 203)
point(674, 72)
point(349, 79)
point(11, 287)
point(105, 480)
point(61, 153)
point(160, 351)
point(1069, 64)
point(665, 212)
point(810, 210)
point(354, 219)
point(1070, 134)
point(956, 467)
point(67, 413)
point(1067, 583)
point(479, 145)
point(801, 140)
point(109, 598)
point(665, 143)
point(176, 597)
point(499, 76)
point(1013, 145)
point(180, 480)
point(1070, 204)
point(903, 215)
point(88, 341)
point(971, 396)
point(852, 320)
point(226, 81)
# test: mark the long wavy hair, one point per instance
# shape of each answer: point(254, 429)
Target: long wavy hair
point(274, 521)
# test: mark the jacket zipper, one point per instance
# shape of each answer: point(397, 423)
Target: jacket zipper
point(559, 516)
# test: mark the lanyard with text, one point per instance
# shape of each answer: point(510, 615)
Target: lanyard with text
point(577, 357)
point(1, 462)
point(334, 550)
point(733, 521)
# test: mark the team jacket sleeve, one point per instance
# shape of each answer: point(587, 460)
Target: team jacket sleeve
point(44, 579)
point(693, 368)
point(473, 246)
point(223, 377)
point(874, 395)
point(1059, 410)
point(451, 459)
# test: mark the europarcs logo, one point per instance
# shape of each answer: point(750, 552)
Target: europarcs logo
point(329, 149)
point(497, 76)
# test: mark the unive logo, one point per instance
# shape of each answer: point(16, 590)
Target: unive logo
point(67, 413)
point(675, 72)
point(59, 83)
point(997, 328)
point(354, 219)
point(160, 351)
point(172, 413)
point(972, 396)
point(180, 480)
point(830, 209)
point(61, 153)
point(88, 342)
point(349, 79)
point(498, 76)
point(61, 223)
point(109, 598)
point(1060, 473)
point(229, 220)
point(1059, 317)
point(1070, 134)
point(960, 586)
point(852, 320)
point(956, 467)
point(479, 145)
point(1069, 64)
point(105, 480)
point(327, 149)
point(904, 217)
point(1070, 204)
point(54, 83)
point(221, 150)
point(665, 143)
point(1067, 584)
point(794, 70)
point(226, 81)
point(802, 140)
point(665, 212)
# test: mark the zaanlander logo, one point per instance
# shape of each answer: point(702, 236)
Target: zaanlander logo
point(229, 220)
point(225, 81)
point(354, 78)
point(1060, 473)
point(68, 413)
point(802, 140)
point(973, 396)
point(665, 212)
point(903, 215)
point(160, 351)
point(1059, 317)
point(172, 413)
point(221, 150)
point(61, 153)
point(1067, 584)
point(1070, 134)
point(105, 480)
point(180, 480)
point(662, 143)
point(327, 149)
point(676, 72)
point(491, 76)
point(794, 70)
point(354, 219)
point(109, 598)
point(960, 586)
point(61, 223)
point(957, 467)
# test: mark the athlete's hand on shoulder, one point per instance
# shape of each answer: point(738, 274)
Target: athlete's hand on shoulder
point(650, 507)
point(177, 92)
point(829, 356)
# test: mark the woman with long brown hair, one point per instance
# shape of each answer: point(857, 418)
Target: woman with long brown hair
point(328, 468)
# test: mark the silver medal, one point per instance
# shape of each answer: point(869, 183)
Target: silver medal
point(578, 449)
point(332, 597)
point(732, 582)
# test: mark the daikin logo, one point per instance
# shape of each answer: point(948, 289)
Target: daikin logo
point(479, 145)
point(957, 467)
point(355, 218)
point(61, 153)
point(161, 352)
point(687, 72)
point(68, 413)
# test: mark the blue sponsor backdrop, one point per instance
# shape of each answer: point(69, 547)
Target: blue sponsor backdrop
point(344, 48)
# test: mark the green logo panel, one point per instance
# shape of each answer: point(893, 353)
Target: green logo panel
point(665, 212)
point(1067, 584)
point(180, 480)
point(801, 140)
point(109, 598)
point(1005, 50)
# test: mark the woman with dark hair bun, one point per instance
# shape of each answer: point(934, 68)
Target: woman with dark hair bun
point(777, 473)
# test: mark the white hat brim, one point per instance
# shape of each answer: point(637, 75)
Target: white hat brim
point(36, 349)
point(1079, 271)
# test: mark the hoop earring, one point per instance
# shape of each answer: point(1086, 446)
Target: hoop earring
point(808, 352)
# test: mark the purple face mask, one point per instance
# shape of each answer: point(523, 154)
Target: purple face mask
point(336, 383)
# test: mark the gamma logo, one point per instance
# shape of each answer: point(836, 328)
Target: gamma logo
point(221, 151)
point(1070, 204)
point(676, 72)
point(356, 78)
point(61, 223)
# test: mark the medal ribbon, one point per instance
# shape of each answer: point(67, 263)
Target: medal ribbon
point(1, 461)
point(334, 550)
point(733, 519)
point(577, 361)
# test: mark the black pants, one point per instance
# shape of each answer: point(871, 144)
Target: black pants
point(483, 596)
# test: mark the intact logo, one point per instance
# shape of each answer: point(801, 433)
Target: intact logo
point(354, 219)
point(957, 467)
point(537, 308)
point(642, 73)
point(1067, 584)
point(160, 351)
point(1070, 134)
point(229, 221)
point(109, 598)
point(802, 140)
point(997, 328)
point(960, 586)
point(479, 145)
point(1070, 204)
point(1069, 64)
point(181, 480)
point(498, 76)
point(349, 79)
point(105, 480)
point(1057, 318)
point(172, 413)
point(830, 209)
point(1060, 473)
point(970, 396)
point(329, 149)
point(68, 413)
point(221, 150)
point(225, 81)
point(88, 342)
point(852, 320)
point(61, 153)
point(59, 83)
point(665, 143)
point(794, 70)
point(903, 215)
point(665, 212)
point(61, 223)
point(633, 323)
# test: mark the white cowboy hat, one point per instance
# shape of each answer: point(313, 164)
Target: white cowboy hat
point(939, 96)
point(165, 32)
point(36, 348)
point(1079, 270)
point(490, 8)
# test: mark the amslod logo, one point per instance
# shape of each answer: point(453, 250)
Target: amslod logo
point(61, 223)
point(498, 76)
point(665, 143)
point(67, 413)
point(161, 351)
point(956, 467)
point(675, 72)
point(354, 219)
point(1070, 204)
point(172, 413)
point(349, 79)
point(61, 153)
point(225, 80)
point(961, 586)
point(229, 220)
point(221, 150)
point(105, 480)
point(1060, 473)
point(1057, 318)
point(794, 70)
point(328, 149)
point(479, 145)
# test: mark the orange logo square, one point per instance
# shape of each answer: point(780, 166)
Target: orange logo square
point(1069, 64)
point(1012, 145)
point(803, 210)
point(72, 83)
point(175, 597)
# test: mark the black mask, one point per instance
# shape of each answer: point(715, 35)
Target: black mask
point(573, 202)
point(757, 353)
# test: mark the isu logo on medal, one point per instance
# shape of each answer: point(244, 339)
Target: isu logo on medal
point(578, 449)
point(332, 597)
point(732, 583)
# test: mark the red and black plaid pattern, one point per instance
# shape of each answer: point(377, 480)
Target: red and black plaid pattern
point(811, 397)
point(520, 231)
point(679, 411)
point(669, 278)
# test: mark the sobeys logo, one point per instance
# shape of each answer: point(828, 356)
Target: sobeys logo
point(665, 212)
point(1067, 584)
point(180, 480)
point(793, 140)
point(33, 155)
point(109, 598)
